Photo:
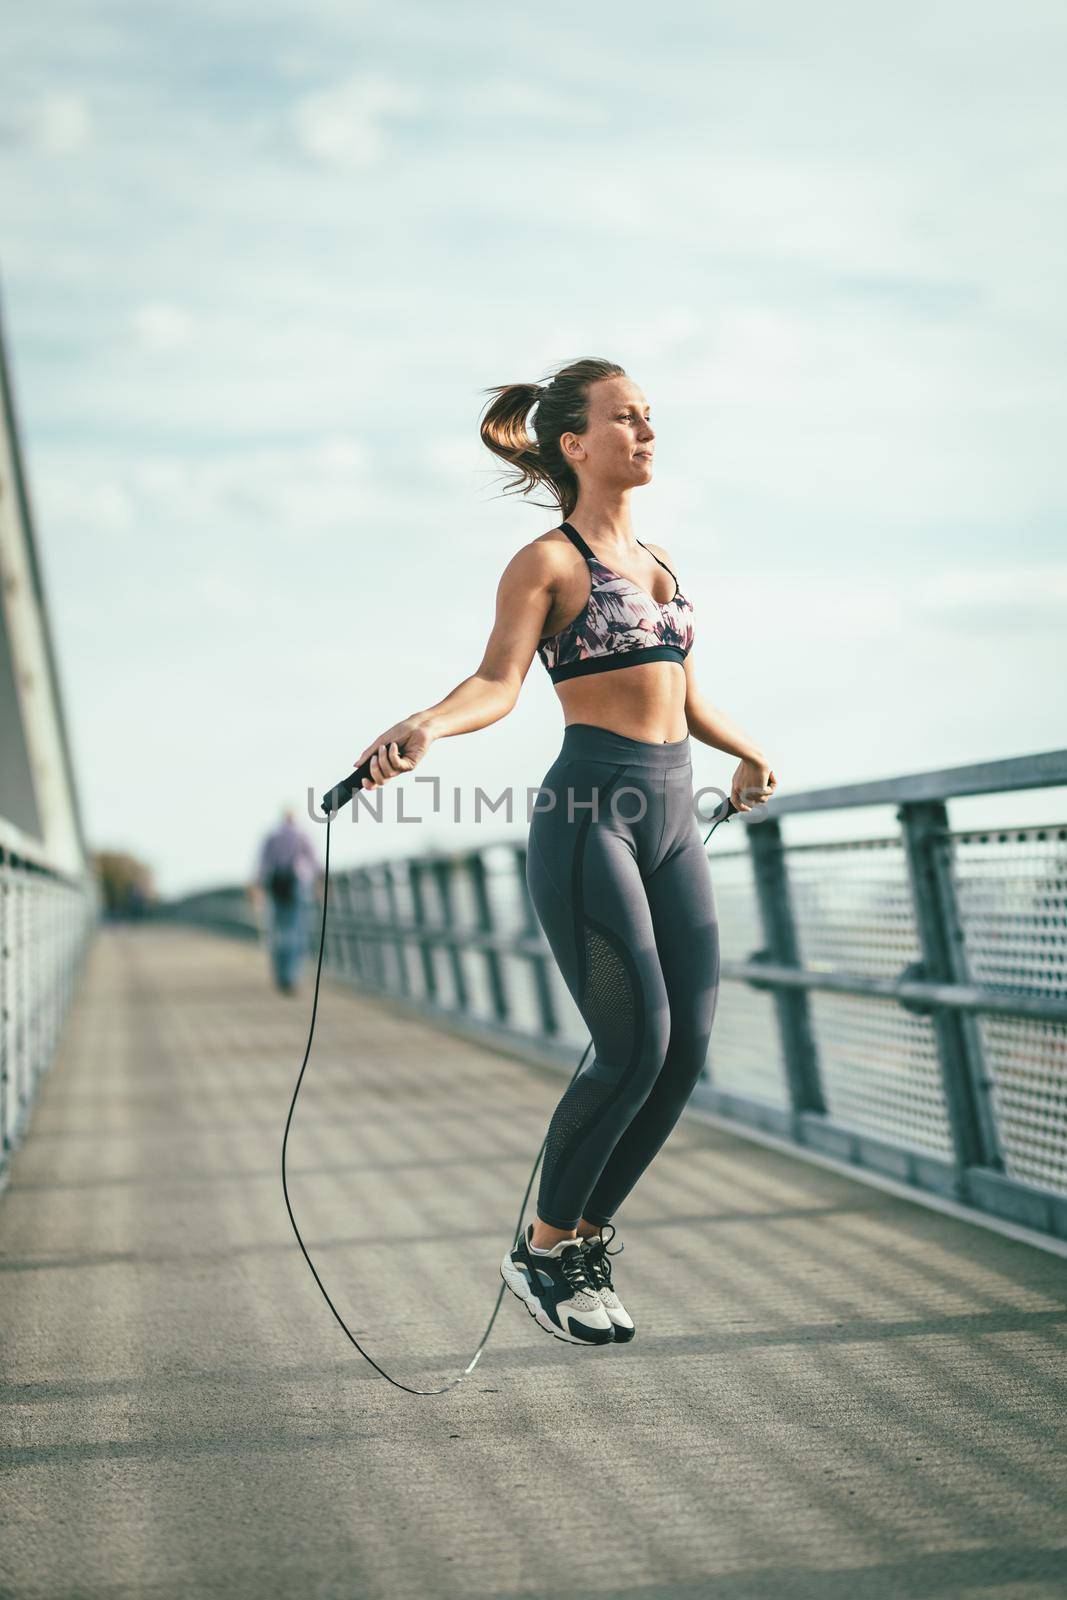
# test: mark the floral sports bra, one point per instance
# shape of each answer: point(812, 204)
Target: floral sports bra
point(620, 625)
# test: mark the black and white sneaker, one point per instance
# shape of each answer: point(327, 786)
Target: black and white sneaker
point(557, 1291)
point(599, 1269)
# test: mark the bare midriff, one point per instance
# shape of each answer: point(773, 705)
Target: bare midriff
point(640, 702)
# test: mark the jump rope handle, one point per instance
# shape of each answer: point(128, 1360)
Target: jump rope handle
point(342, 792)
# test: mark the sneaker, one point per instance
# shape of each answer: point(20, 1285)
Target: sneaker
point(598, 1267)
point(557, 1291)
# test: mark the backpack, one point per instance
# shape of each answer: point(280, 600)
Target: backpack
point(282, 885)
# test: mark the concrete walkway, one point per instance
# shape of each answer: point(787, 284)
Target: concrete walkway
point(831, 1390)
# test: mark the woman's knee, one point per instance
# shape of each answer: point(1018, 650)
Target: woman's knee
point(651, 1050)
point(686, 1060)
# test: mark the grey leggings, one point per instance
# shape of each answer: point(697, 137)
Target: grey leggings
point(622, 888)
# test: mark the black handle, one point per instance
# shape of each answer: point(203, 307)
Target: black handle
point(342, 792)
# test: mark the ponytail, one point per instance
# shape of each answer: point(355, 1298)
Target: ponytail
point(562, 407)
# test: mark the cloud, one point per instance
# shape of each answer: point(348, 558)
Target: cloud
point(511, 100)
point(344, 126)
point(161, 327)
point(79, 496)
point(243, 500)
point(60, 123)
point(666, 333)
point(456, 458)
point(287, 492)
point(1014, 600)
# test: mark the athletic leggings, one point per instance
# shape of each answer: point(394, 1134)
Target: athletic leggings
point(622, 888)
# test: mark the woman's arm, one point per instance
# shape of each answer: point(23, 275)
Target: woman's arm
point(711, 726)
point(754, 781)
point(524, 598)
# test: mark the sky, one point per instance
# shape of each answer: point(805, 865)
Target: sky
point(260, 264)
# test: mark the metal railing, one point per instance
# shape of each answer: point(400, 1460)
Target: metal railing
point(898, 1002)
point(46, 922)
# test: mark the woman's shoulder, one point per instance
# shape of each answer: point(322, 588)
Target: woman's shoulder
point(548, 553)
point(541, 562)
point(552, 538)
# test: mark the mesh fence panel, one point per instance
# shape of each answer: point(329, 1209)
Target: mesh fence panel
point(1011, 890)
point(852, 907)
point(879, 1069)
point(745, 1053)
point(1011, 894)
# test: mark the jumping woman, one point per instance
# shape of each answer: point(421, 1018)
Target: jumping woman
point(616, 868)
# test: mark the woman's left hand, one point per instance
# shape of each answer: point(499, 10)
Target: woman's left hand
point(753, 784)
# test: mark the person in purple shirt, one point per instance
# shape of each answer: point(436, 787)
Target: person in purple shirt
point(286, 870)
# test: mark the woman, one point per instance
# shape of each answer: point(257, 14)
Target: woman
point(616, 868)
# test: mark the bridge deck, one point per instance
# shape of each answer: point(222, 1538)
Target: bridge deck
point(830, 1388)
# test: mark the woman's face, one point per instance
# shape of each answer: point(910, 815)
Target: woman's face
point(616, 448)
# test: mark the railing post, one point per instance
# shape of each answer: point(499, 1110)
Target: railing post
point(399, 947)
point(418, 903)
point(367, 944)
point(33, 985)
point(313, 923)
point(19, 940)
point(338, 924)
point(442, 871)
point(353, 950)
point(966, 1087)
point(779, 932)
point(48, 990)
point(6, 956)
point(493, 963)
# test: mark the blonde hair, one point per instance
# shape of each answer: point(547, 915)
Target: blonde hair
point(562, 403)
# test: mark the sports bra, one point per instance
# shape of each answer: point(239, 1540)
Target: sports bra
point(620, 625)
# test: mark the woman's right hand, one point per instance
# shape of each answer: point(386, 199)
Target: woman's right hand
point(413, 737)
point(753, 783)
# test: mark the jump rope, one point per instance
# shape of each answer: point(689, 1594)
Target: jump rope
point(331, 803)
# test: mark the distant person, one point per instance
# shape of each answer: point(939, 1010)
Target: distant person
point(286, 871)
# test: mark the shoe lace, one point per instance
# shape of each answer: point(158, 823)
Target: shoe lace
point(573, 1266)
point(596, 1258)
